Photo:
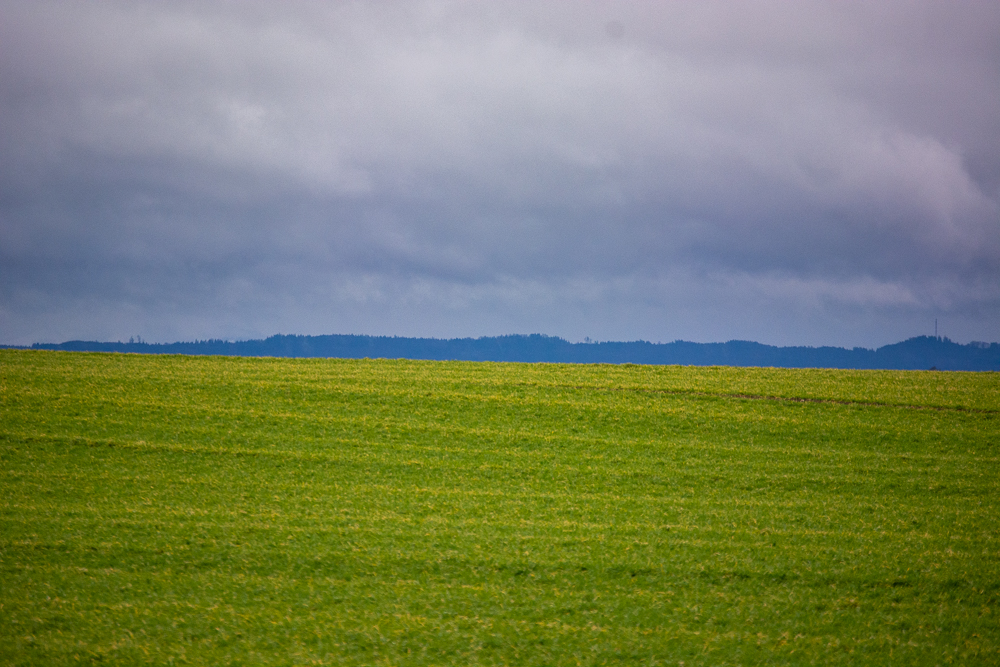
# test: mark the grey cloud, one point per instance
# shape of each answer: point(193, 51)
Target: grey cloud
point(804, 173)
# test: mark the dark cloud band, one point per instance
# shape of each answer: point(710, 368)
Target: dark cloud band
point(813, 174)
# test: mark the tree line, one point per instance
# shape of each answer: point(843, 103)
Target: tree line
point(919, 353)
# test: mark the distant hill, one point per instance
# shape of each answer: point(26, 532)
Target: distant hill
point(920, 353)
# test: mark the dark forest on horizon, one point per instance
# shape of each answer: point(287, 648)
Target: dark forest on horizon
point(919, 353)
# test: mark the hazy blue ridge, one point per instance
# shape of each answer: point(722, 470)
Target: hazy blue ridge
point(922, 352)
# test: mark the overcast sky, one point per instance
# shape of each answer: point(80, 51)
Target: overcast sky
point(796, 173)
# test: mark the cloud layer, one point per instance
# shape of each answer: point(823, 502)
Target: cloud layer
point(821, 173)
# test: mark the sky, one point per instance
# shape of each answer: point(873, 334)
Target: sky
point(795, 173)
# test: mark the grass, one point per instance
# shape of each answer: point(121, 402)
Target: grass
point(172, 510)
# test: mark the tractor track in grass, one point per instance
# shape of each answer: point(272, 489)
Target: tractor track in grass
point(786, 399)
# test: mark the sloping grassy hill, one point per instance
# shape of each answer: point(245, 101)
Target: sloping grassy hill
point(212, 510)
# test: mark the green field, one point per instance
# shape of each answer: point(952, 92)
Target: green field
point(216, 511)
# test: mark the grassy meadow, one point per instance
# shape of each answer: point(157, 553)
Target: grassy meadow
point(226, 511)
